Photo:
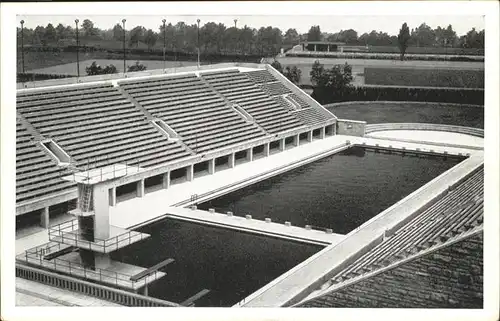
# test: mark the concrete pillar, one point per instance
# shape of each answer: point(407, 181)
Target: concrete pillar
point(140, 188)
point(310, 136)
point(296, 140)
point(102, 260)
point(250, 154)
point(211, 166)
point(166, 180)
point(44, 217)
point(101, 210)
point(322, 133)
point(112, 196)
point(282, 144)
point(332, 130)
point(231, 160)
point(266, 149)
point(314, 47)
point(190, 172)
point(328, 48)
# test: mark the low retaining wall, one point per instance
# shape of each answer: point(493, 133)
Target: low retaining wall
point(382, 102)
point(426, 143)
point(424, 126)
point(351, 127)
point(95, 290)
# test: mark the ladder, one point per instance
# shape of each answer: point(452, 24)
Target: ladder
point(86, 198)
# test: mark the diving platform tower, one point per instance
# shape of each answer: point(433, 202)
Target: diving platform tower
point(91, 231)
point(91, 234)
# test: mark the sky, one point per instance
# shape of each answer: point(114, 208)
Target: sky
point(386, 23)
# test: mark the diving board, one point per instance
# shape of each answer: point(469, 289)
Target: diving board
point(190, 301)
point(60, 252)
point(154, 268)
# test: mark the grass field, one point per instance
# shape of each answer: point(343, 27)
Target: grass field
point(359, 65)
point(424, 77)
point(374, 113)
point(37, 60)
point(70, 68)
point(425, 50)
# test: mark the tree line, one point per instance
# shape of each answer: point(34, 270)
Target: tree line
point(219, 38)
point(421, 36)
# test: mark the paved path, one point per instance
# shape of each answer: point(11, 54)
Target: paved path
point(430, 136)
point(256, 226)
point(370, 141)
point(32, 299)
point(70, 68)
point(29, 293)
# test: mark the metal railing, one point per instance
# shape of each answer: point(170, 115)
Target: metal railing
point(35, 256)
point(90, 172)
point(71, 233)
point(94, 290)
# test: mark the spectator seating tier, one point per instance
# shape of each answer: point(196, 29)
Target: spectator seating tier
point(97, 126)
point(237, 88)
point(37, 174)
point(311, 116)
point(192, 109)
point(261, 76)
point(274, 89)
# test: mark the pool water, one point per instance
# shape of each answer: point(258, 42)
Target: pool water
point(340, 192)
point(230, 264)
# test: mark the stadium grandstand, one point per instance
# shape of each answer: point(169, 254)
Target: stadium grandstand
point(124, 132)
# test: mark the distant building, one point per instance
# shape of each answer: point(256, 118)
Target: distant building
point(322, 46)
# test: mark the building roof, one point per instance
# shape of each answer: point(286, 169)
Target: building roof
point(323, 43)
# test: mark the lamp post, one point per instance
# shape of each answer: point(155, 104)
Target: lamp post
point(164, 43)
point(198, 21)
point(77, 50)
point(236, 35)
point(124, 67)
point(237, 40)
point(22, 44)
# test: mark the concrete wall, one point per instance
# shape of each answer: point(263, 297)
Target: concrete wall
point(451, 277)
point(33, 205)
point(478, 132)
point(351, 127)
